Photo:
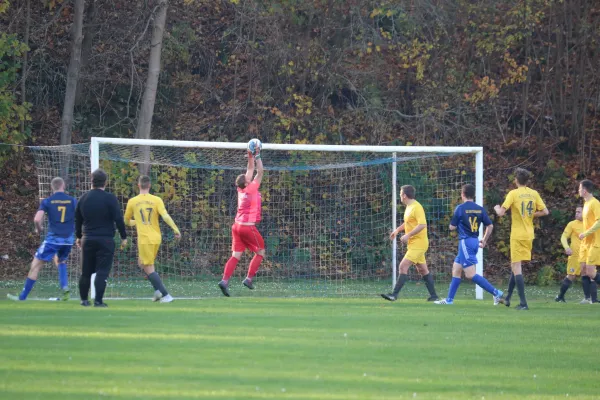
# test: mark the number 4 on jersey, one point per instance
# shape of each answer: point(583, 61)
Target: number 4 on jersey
point(474, 224)
point(528, 208)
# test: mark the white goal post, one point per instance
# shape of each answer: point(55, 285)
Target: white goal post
point(96, 142)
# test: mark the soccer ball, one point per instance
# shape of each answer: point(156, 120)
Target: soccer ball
point(254, 145)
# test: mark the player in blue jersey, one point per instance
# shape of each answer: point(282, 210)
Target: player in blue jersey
point(59, 240)
point(467, 219)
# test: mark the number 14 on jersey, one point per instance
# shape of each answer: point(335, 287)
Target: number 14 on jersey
point(527, 206)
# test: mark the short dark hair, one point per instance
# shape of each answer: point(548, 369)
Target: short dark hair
point(468, 191)
point(409, 191)
point(99, 178)
point(144, 181)
point(240, 181)
point(522, 176)
point(587, 185)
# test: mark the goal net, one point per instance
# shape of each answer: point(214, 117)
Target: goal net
point(327, 212)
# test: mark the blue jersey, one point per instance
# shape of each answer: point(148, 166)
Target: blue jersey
point(60, 209)
point(468, 217)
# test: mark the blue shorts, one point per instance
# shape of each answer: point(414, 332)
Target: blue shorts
point(467, 252)
point(47, 251)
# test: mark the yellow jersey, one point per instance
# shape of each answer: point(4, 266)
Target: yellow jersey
point(572, 232)
point(144, 209)
point(414, 215)
point(522, 203)
point(591, 214)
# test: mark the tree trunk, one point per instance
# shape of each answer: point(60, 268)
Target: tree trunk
point(24, 75)
point(235, 85)
point(72, 74)
point(578, 82)
point(144, 124)
point(251, 57)
point(557, 28)
point(86, 48)
point(568, 26)
point(525, 95)
point(306, 54)
point(25, 58)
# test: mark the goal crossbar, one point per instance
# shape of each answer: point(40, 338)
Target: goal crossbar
point(288, 147)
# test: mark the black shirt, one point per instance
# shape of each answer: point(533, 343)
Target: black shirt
point(98, 212)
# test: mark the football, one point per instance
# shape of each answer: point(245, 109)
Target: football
point(254, 146)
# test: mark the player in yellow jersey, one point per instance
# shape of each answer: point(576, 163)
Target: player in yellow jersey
point(574, 266)
point(589, 251)
point(524, 204)
point(142, 212)
point(417, 243)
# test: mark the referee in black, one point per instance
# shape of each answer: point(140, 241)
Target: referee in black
point(96, 214)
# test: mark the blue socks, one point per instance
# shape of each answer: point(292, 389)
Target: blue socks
point(484, 284)
point(453, 288)
point(62, 279)
point(478, 279)
point(26, 288)
point(62, 276)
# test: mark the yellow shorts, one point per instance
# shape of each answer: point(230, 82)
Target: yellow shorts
point(417, 256)
point(520, 250)
point(147, 253)
point(573, 265)
point(589, 254)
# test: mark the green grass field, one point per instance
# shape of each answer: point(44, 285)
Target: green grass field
point(261, 348)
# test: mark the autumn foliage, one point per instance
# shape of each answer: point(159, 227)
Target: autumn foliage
point(519, 77)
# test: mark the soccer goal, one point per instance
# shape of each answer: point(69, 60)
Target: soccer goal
point(327, 211)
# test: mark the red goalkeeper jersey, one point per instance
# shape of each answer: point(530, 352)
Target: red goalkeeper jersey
point(249, 203)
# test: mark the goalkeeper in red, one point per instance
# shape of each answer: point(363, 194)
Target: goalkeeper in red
point(244, 233)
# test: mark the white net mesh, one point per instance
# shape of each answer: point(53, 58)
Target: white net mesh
point(326, 216)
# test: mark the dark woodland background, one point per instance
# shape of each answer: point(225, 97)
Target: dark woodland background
point(519, 77)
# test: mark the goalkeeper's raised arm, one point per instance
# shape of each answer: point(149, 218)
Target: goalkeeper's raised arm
point(254, 160)
point(250, 168)
point(244, 233)
point(259, 167)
